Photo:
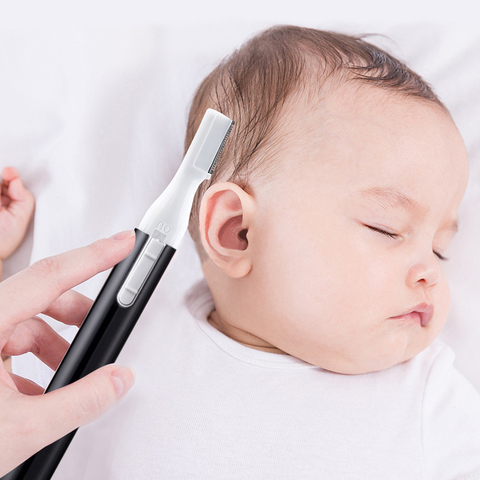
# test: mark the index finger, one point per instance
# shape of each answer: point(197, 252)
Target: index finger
point(34, 289)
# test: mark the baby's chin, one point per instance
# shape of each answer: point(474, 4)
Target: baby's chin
point(361, 362)
point(353, 369)
point(383, 352)
point(361, 368)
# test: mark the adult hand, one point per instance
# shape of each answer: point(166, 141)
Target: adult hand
point(29, 420)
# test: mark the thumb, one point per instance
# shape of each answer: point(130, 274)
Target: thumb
point(20, 196)
point(59, 412)
point(16, 190)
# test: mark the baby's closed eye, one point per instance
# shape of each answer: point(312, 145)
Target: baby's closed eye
point(395, 235)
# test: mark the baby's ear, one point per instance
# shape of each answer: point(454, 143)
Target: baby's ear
point(226, 213)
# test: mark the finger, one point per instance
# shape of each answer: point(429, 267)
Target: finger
point(5, 199)
point(13, 188)
point(30, 423)
point(38, 337)
point(8, 174)
point(22, 202)
point(53, 415)
point(34, 289)
point(71, 308)
point(26, 386)
point(16, 191)
point(3, 191)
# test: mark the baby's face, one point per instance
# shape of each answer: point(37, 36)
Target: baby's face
point(351, 234)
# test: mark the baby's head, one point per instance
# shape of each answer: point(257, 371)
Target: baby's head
point(333, 203)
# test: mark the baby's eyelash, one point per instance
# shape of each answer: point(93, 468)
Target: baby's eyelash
point(391, 235)
point(441, 257)
point(394, 235)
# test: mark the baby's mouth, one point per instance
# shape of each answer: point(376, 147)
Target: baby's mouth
point(421, 314)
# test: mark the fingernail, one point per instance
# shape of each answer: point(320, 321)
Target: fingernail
point(123, 379)
point(123, 235)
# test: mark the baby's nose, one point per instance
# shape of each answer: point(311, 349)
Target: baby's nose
point(426, 270)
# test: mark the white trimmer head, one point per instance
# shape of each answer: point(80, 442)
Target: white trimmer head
point(167, 218)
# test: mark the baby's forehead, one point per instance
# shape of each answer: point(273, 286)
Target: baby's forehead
point(366, 133)
point(347, 110)
point(346, 98)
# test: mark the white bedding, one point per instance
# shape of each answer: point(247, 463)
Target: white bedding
point(94, 120)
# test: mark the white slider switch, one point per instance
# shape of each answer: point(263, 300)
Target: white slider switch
point(140, 272)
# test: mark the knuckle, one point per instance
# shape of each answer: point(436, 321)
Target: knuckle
point(36, 328)
point(97, 251)
point(46, 267)
point(93, 404)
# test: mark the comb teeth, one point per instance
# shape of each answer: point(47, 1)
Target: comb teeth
point(220, 149)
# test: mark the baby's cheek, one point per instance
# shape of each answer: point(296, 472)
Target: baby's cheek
point(442, 301)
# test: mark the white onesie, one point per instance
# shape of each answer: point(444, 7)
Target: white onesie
point(221, 410)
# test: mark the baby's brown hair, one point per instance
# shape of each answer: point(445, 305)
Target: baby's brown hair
point(251, 85)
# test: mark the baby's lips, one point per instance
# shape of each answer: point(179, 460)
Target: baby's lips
point(425, 311)
point(427, 315)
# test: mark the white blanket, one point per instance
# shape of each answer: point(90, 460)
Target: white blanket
point(94, 120)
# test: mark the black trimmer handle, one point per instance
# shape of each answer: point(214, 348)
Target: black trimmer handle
point(98, 342)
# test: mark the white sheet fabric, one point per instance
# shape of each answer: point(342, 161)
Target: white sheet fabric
point(94, 119)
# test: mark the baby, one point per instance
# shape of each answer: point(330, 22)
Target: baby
point(322, 234)
point(323, 230)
